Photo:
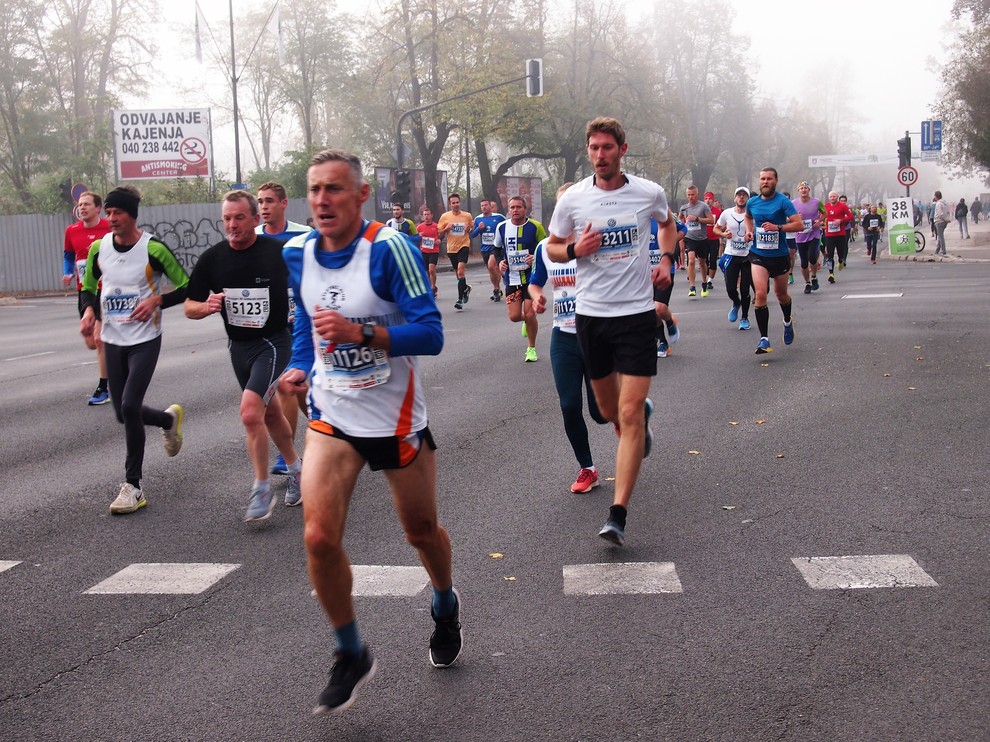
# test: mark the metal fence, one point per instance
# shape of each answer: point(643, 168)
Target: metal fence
point(31, 246)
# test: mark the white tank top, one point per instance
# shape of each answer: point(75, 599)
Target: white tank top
point(127, 280)
point(361, 391)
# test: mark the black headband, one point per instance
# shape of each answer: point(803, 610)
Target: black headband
point(123, 200)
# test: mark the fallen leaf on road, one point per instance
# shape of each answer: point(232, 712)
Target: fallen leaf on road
point(917, 347)
point(780, 455)
point(694, 453)
point(886, 376)
point(496, 555)
point(609, 479)
point(760, 422)
point(912, 388)
point(920, 358)
point(509, 579)
point(765, 365)
point(728, 507)
point(733, 422)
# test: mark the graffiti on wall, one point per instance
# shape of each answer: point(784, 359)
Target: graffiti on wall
point(187, 240)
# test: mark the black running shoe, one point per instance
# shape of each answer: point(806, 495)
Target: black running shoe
point(347, 676)
point(447, 638)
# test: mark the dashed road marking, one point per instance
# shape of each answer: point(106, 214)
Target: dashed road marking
point(854, 572)
point(379, 580)
point(155, 578)
point(634, 578)
point(872, 296)
point(4, 566)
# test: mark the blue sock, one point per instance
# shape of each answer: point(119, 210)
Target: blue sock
point(444, 602)
point(348, 640)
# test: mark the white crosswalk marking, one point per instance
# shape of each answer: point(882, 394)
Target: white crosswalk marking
point(152, 578)
point(621, 579)
point(377, 580)
point(4, 566)
point(853, 572)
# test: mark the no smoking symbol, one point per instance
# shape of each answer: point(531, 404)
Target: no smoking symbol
point(192, 150)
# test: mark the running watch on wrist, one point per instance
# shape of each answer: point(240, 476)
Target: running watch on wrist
point(367, 334)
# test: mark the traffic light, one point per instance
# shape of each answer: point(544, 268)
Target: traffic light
point(403, 181)
point(534, 78)
point(904, 152)
point(65, 190)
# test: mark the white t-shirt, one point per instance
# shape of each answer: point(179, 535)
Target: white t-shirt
point(615, 280)
point(736, 225)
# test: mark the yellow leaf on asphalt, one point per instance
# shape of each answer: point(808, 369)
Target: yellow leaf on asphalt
point(733, 422)
point(609, 479)
point(920, 358)
point(886, 376)
point(496, 555)
point(765, 365)
point(780, 455)
point(760, 422)
point(917, 347)
point(694, 453)
point(509, 579)
point(912, 388)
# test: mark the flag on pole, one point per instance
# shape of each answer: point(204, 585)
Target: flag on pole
point(275, 26)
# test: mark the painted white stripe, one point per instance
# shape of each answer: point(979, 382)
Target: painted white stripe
point(872, 296)
point(379, 581)
point(634, 578)
point(4, 566)
point(33, 355)
point(154, 578)
point(854, 572)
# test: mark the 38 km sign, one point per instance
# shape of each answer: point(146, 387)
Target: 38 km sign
point(907, 176)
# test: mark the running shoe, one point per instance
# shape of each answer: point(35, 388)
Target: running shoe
point(129, 499)
point(807, 288)
point(831, 278)
point(467, 293)
point(100, 396)
point(663, 350)
point(261, 504)
point(494, 296)
point(458, 305)
point(692, 292)
point(744, 324)
point(704, 290)
point(734, 313)
point(279, 466)
point(842, 264)
point(874, 262)
point(447, 638)
point(789, 332)
point(173, 436)
point(790, 279)
point(531, 355)
point(293, 491)
point(814, 283)
point(347, 675)
point(436, 293)
point(673, 334)
point(586, 481)
point(763, 346)
point(711, 286)
point(613, 532)
point(648, 439)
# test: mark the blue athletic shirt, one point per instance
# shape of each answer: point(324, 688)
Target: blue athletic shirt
point(655, 253)
point(775, 210)
point(488, 223)
point(398, 275)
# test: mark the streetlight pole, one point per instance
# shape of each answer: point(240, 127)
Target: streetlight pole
point(233, 85)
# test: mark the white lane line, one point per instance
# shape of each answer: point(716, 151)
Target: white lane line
point(634, 578)
point(33, 355)
point(153, 578)
point(4, 566)
point(372, 580)
point(873, 296)
point(865, 571)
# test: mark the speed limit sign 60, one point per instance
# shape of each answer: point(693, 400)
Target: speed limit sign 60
point(907, 176)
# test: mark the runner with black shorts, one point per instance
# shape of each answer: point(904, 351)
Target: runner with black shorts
point(616, 323)
point(245, 281)
point(769, 217)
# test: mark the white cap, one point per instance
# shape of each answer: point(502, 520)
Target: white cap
point(744, 189)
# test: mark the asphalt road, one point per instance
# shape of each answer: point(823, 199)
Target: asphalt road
point(866, 437)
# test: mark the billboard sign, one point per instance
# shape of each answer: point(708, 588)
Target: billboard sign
point(159, 144)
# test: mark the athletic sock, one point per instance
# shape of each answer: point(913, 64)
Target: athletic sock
point(786, 309)
point(762, 319)
point(671, 325)
point(461, 287)
point(444, 602)
point(348, 640)
point(102, 386)
point(617, 513)
point(295, 467)
point(135, 483)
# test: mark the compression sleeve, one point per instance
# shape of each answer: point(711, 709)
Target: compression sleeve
point(303, 355)
point(163, 261)
point(68, 256)
point(91, 278)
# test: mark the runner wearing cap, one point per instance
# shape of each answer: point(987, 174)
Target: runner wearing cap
point(731, 225)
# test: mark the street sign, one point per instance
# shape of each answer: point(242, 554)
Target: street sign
point(900, 225)
point(78, 190)
point(931, 136)
point(907, 176)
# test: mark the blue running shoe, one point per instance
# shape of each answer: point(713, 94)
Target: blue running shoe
point(261, 505)
point(662, 349)
point(648, 441)
point(763, 346)
point(734, 313)
point(673, 334)
point(788, 332)
point(100, 396)
point(279, 466)
point(744, 324)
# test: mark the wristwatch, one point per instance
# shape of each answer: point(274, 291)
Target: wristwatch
point(367, 334)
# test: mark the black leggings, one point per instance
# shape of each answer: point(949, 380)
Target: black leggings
point(739, 271)
point(129, 372)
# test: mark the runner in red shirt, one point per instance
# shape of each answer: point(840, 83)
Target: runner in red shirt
point(714, 242)
point(429, 246)
point(78, 239)
point(838, 217)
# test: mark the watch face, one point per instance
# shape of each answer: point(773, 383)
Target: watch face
point(368, 331)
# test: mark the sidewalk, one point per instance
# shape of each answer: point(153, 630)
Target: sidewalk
point(974, 250)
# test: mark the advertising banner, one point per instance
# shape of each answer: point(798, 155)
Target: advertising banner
point(162, 143)
point(900, 226)
point(531, 189)
point(385, 185)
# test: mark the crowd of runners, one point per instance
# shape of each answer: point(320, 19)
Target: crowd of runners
point(330, 319)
